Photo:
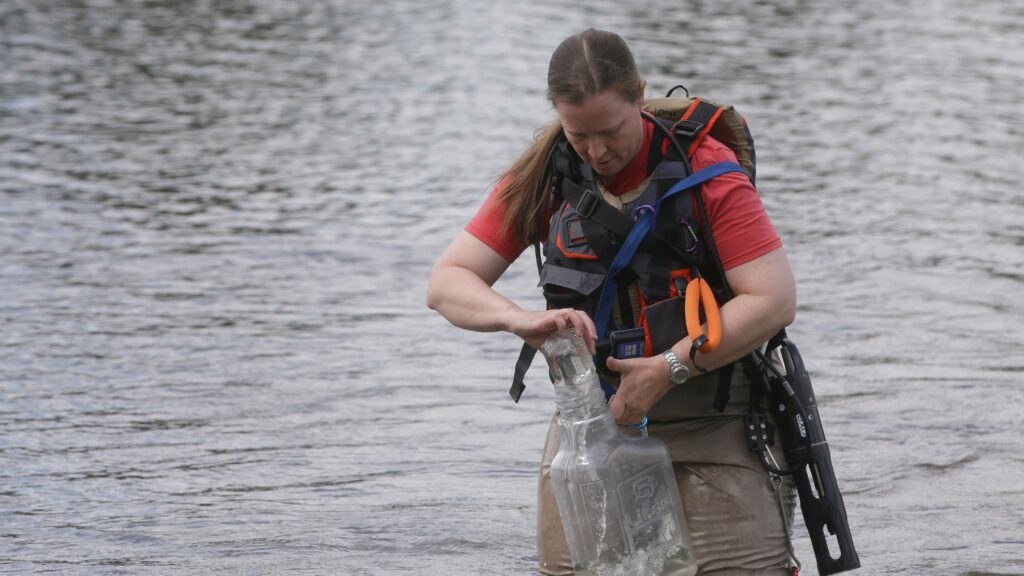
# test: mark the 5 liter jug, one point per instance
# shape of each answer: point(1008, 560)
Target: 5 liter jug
point(617, 495)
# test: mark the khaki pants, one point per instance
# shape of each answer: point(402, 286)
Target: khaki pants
point(732, 509)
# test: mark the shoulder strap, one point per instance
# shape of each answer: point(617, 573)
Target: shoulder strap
point(591, 206)
point(722, 393)
point(526, 355)
point(640, 230)
point(698, 117)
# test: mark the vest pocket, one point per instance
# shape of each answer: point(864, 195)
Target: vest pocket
point(576, 280)
point(665, 324)
point(567, 288)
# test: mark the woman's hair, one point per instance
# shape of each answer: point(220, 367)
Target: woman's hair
point(584, 65)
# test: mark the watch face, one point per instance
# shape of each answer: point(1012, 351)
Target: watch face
point(680, 375)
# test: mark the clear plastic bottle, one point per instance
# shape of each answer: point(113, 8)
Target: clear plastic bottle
point(617, 494)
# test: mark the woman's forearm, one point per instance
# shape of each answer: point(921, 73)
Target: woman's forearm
point(460, 286)
point(466, 301)
point(765, 303)
point(460, 289)
point(747, 322)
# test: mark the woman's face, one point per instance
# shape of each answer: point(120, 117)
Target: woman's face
point(605, 130)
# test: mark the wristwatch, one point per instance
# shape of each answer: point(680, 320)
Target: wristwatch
point(677, 371)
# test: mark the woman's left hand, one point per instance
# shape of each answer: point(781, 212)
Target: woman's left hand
point(644, 381)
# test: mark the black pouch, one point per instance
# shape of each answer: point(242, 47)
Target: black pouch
point(665, 323)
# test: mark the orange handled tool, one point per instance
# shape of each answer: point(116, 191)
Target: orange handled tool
point(698, 296)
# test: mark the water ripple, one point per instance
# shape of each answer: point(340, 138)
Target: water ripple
point(218, 219)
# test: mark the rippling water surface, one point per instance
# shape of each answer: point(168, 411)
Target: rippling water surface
point(217, 220)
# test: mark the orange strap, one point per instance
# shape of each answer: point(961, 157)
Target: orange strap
point(698, 295)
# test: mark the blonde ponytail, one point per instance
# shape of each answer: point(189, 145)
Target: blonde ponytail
point(524, 197)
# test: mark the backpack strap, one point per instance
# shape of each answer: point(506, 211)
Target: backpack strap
point(693, 125)
point(591, 206)
point(722, 392)
point(701, 117)
point(641, 230)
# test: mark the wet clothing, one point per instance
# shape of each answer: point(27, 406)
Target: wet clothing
point(733, 511)
point(732, 508)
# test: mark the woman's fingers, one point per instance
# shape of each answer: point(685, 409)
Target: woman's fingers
point(560, 322)
point(579, 326)
point(623, 412)
point(616, 365)
point(536, 327)
point(642, 383)
point(591, 328)
point(621, 409)
point(584, 328)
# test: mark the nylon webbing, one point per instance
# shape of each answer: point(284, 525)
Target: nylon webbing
point(643, 225)
point(602, 213)
point(526, 355)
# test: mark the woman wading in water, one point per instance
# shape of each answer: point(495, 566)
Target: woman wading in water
point(605, 146)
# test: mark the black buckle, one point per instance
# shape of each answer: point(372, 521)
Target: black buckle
point(760, 433)
point(588, 202)
point(687, 128)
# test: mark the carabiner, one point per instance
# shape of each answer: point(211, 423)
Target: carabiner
point(699, 296)
point(641, 209)
point(694, 242)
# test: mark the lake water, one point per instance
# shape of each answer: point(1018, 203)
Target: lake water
point(217, 220)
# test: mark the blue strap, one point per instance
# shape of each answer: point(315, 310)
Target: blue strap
point(640, 229)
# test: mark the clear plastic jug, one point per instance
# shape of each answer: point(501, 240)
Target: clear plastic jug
point(617, 494)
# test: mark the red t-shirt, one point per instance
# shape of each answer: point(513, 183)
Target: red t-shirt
point(739, 224)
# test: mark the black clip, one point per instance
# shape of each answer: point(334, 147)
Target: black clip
point(588, 202)
point(694, 346)
point(687, 128)
point(760, 434)
point(680, 283)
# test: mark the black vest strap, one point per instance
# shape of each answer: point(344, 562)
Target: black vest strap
point(526, 355)
point(700, 114)
point(722, 394)
point(603, 243)
point(625, 306)
point(592, 207)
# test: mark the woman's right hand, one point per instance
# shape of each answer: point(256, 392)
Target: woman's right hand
point(536, 327)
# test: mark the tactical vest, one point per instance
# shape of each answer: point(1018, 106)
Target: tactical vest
point(586, 233)
point(583, 240)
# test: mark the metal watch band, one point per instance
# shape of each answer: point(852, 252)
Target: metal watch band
point(675, 367)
